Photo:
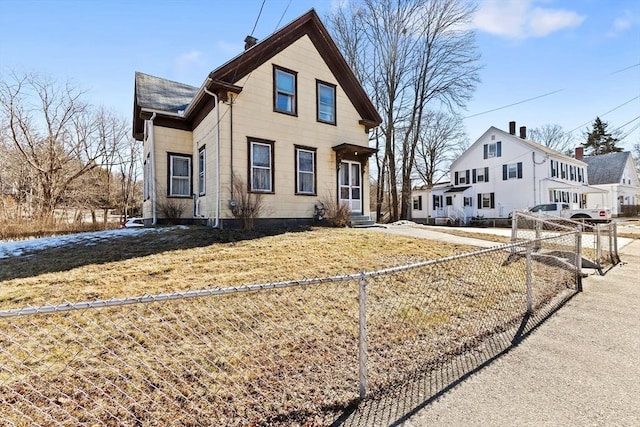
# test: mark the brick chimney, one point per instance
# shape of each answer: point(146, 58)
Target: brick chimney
point(249, 42)
point(579, 153)
point(512, 128)
point(523, 132)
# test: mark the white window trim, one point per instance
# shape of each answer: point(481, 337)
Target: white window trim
point(202, 171)
point(182, 178)
point(254, 167)
point(299, 172)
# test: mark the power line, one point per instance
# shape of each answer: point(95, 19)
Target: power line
point(283, 13)
point(604, 114)
point(515, 103)
point(258, 18)
point(625, 69)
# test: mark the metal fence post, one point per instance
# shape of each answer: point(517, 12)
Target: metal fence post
point(529, 281)
point(538, 243)
point(615, 241)
point(598, 243)
point(579, 259)
point(514, 227)
point(611, 253)
point(362, 337)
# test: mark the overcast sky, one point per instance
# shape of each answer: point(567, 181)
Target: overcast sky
point(578, 58)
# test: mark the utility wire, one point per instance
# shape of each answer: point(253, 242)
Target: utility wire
point(283, 13)
point(515, 103)
point(258, 18)
point(625, 69)
point(604, 114)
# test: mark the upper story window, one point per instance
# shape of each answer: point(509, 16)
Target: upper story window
point(179, 175)
point(512, 171)
point(326, 95)
point(481, 175)
point(493, 149)
point(305, 170)
point(261, 166)
point(202, 157)
point(285, 87)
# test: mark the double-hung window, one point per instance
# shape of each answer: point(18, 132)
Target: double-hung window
point(486, 200)
point(261, 166)
point(202, 157)
point(285, 88)
point(326, 95)
point(305, 170)
point(179, 175)
point(512, 171)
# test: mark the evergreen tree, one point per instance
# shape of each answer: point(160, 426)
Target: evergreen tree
point(600, 140)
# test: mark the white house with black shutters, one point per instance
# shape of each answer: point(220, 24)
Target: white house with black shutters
point(499, 173)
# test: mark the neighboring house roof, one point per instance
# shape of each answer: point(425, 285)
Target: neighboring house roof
point(606, 168)
point(163, 93)
point(458, 189)
point(534, 145)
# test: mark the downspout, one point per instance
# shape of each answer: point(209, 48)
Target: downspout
point(216, 222)
point(152, 149)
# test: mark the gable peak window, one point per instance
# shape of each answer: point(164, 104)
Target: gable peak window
point(492, 149)
point(285, 87)
point(326, 97)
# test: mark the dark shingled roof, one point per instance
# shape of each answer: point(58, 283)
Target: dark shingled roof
point(162, 94)
point(606, 168)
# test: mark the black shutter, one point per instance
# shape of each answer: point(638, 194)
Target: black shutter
point(486, 150)
point(499, 149)
point(467, 180)
point(519, 170)
point(474, 176)
point(493, 200)
point(486, 174)
point(504, 172)
point(419, 203)
point(456, 181)
point(435, 202)
point(479, 201)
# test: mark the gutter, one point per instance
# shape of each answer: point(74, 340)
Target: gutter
point(152, 150)
point(216, 223)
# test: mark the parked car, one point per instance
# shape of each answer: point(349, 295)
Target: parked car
point(562, 210)
point(133, 223)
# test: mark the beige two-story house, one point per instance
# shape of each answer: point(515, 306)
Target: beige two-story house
point(285, 119)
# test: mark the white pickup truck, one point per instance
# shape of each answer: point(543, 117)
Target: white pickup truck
point(562, 210)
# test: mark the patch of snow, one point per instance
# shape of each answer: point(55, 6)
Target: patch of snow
point(20, 247)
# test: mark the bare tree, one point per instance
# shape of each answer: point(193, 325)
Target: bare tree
point(412, 56)
point(442, 138)
point(554, 137)
point(53, 131)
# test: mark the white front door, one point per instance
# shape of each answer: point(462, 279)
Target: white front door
point(350, 185)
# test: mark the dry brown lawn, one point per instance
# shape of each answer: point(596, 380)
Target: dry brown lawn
point(280, 357)
point(199, 258)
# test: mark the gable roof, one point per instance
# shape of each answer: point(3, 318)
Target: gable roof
point(606, 168)
point(532, 144)
point(165, 96)
point(161, 94)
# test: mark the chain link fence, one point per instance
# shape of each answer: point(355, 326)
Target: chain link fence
point(599, 247)
point(290, 353)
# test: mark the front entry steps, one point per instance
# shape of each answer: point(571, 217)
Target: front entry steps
point(361, 221)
